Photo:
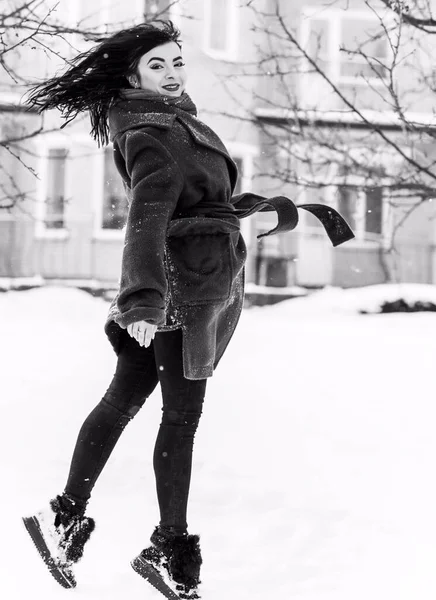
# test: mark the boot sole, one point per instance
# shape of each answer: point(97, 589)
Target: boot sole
point(152, 575)
point(62, 575)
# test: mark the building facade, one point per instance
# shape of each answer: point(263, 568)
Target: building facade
point(70, 224)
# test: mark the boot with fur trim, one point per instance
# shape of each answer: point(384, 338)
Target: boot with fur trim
point(171, 564)
point(60, 533)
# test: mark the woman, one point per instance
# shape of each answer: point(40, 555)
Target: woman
point(181, 286)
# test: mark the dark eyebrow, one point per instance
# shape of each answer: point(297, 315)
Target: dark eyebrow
point(161, 59)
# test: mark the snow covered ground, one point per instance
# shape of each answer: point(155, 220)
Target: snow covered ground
point(314, 461)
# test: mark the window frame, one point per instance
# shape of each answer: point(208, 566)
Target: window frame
point(109, 150)
point(141, 8)
point(176, 14)
point(246, 153)
point(53, 142)
point(230, 54)
point(104, 9)
point(359, 230)
point(79, 43)
point(174, 10)
point(13, 99)
point(334, 18)
point(101, 233)
point(362, 237)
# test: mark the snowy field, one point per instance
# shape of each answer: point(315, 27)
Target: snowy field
point(314, 472)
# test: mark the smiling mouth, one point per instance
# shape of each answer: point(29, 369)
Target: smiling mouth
point(171, 87)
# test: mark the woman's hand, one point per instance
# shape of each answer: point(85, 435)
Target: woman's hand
point(143, 332)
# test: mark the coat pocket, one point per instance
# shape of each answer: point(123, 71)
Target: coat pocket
point(203, 257)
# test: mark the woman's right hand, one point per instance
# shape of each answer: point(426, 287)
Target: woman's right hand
point(142, 331)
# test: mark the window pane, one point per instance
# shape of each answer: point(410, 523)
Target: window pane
point(318, 38)
point(157, 8)
point(362, 69)
point(318, 48)
point(348, 199)
point(367, 37)
point(55, 198)
point(240, 164)
point(90, 14)
point(114, 199)
point(358, 34)
point(219, 24)
point(373, 213)
point(313, 196)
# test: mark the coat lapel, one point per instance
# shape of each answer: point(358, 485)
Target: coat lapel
point(204, 136)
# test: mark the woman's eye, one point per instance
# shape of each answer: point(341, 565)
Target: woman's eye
point(156, 66)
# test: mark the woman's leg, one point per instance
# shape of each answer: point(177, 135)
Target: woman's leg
point(182, 407)
point(134, 380)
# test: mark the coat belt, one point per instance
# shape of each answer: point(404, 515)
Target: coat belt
point(334, 224)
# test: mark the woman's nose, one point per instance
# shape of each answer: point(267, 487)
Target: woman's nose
point(170, 74)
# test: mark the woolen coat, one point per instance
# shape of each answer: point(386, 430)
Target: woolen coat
point(183, 257)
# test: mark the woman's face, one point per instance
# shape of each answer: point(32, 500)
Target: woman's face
point(163, 66)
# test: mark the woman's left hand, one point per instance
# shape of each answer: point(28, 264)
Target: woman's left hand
point(142, 331)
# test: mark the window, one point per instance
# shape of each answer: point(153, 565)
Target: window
point(359, 189)
point(373, 210)
point(244, 156)
point(319, 43)
point(313, 195)
point(240, 164)
point(221, 28)
point(54, 201)
point(362, 36)
point(157, 9)
point(115, 207)
point(218, 20)
point(92, 15)
point(336, 41)
point(362, 208)
point(348, 204)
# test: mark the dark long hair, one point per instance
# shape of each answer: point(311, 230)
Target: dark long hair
point(97, 76)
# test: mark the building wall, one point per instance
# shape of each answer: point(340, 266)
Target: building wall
point(82, 249)
point(362, 261)
point(413, 61)
point(222, 92)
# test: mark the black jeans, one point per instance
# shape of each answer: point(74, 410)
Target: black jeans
point(137, 373)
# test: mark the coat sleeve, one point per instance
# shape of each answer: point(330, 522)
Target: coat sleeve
point(156, 184)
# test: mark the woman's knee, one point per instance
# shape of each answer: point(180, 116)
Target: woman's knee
point(181, 417)
point(127, 394)
point(119, 410)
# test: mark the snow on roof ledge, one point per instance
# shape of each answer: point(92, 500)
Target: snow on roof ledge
point(13, 101)
point(347, 117)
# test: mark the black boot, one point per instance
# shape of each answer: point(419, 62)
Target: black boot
point(60, 532)
point(171, 564)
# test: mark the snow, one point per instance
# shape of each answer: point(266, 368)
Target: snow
point(314, 460)
point(355, 300)
point(290, 291)
point(10, 283)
